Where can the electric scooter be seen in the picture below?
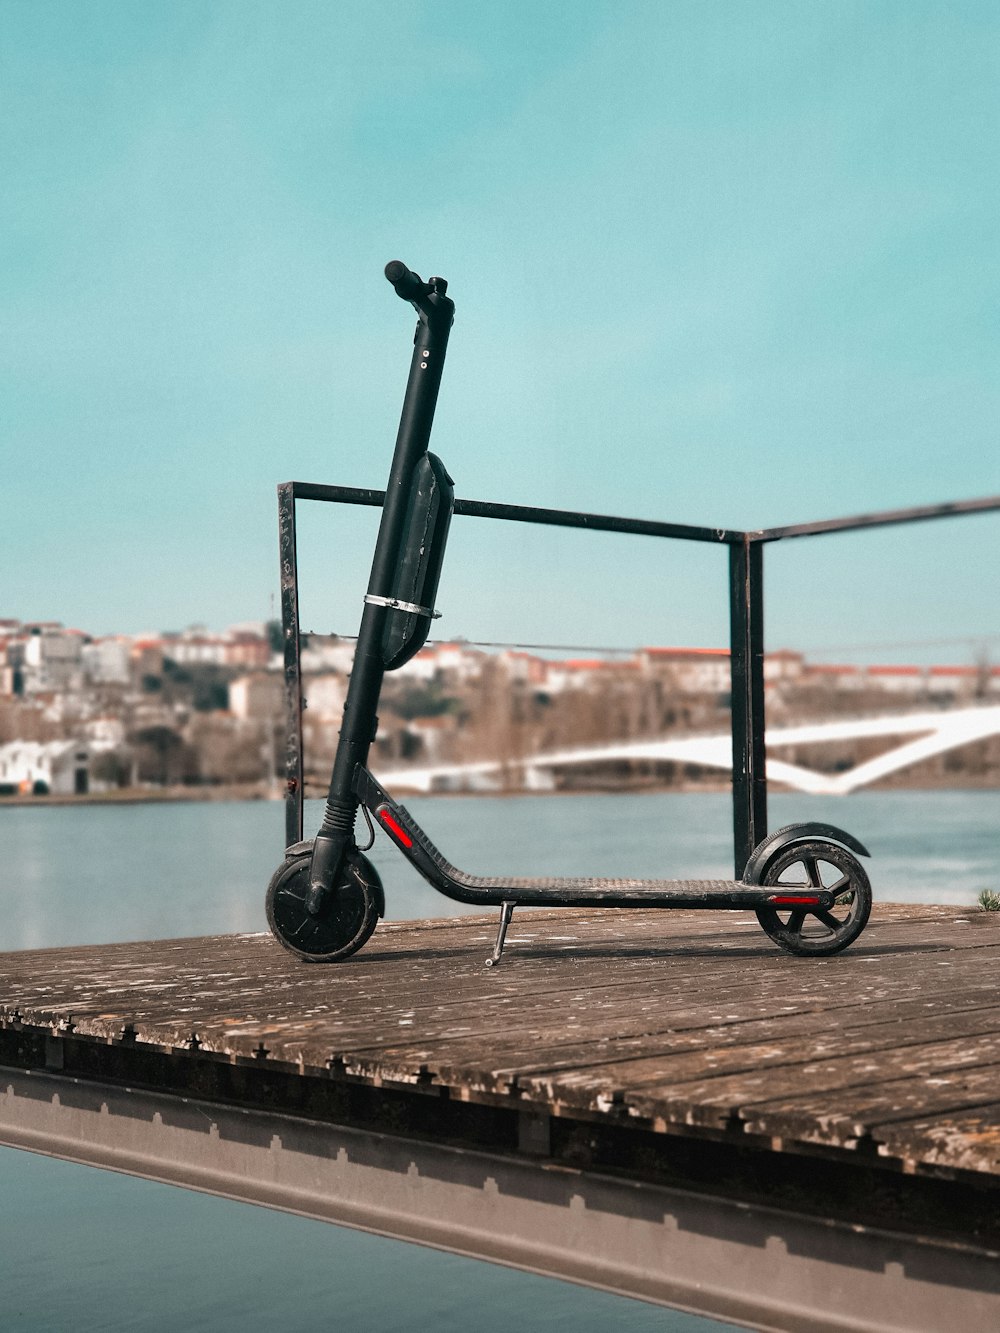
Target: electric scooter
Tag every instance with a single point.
(805, 882)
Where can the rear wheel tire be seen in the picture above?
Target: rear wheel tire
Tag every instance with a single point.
(347, 919)
(812, 932)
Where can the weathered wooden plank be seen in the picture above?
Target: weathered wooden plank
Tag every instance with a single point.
(344, 1030)
(579, 1016)
(679, 1018)
(634, 1027)
(282, 976)
(548, 928)
(835, 1116)
(966, 1140)
(589, 1013)
(856, 1079)
(679, 1060)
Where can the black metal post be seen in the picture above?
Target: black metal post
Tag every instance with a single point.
(746, 637)
(294, 774)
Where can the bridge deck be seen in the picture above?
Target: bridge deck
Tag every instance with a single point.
(675, 1049)
(932, 733)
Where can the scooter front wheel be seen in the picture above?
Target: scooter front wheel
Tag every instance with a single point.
(817, 864)
(346, 920)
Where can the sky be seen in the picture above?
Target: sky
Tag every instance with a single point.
(732, 264)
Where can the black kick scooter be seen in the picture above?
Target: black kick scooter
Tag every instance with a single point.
(805, 883)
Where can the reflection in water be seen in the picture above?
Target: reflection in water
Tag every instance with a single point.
(93, 1251)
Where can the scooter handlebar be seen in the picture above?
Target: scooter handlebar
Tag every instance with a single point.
(408, 285)
(428, 298)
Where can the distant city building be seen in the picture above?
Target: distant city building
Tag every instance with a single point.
(257, 696)
(107, 661)
(59, 767)
(523, 667)
(452, 702)
(782, 667)
(455, 663)
(104, 733)
(691, 670)
(573, 674)
(458, 662)
(51, 658)
(147, 655)
(897, 679)
(324, 696)
(430, 735)
(195, 649)
(247, 649)
(327, 655)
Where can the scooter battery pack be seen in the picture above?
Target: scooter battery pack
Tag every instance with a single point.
(418, 572)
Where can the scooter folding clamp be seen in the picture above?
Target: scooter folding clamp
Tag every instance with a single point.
(394, 604)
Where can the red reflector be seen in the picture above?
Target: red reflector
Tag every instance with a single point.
(787, 898)
(395, 829)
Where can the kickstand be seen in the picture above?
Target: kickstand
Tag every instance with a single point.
(506, 912)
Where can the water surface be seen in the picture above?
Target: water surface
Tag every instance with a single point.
(96, 874)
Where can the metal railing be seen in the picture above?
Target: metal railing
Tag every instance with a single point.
(746, 623)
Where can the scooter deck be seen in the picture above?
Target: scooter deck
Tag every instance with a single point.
(417, 847)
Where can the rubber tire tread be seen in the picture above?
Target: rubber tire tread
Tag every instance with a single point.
(363, 875)
(836, 855)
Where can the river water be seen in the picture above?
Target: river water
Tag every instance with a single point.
(90, 1249)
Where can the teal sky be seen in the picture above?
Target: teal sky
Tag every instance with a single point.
(724, 263)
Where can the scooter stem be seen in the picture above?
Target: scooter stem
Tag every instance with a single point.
(435, 312)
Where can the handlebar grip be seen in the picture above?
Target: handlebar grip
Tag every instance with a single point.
(408, 285)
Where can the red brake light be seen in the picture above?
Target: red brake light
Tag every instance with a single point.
(395, 829)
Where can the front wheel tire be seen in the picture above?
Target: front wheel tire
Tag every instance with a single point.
(347, 920)
(817, 864)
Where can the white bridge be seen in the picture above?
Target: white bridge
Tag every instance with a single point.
(932, 733)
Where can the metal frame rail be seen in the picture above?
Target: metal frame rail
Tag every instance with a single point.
(746, 623)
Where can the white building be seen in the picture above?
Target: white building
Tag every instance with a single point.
(328, 655)
(196, 649)
(691, 670)
(575, 674)
(60, 767)
(50, 659)
(910, 680)
(783, 666)
(106, 662)
(454, 662)
(457, 661)
(324, 696)
(105, 732)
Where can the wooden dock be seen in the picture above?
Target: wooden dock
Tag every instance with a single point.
(744, 1129)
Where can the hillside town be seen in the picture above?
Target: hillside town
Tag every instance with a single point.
(84, 714)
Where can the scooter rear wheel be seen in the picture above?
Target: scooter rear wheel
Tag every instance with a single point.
(820, 865)
(346, 921)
